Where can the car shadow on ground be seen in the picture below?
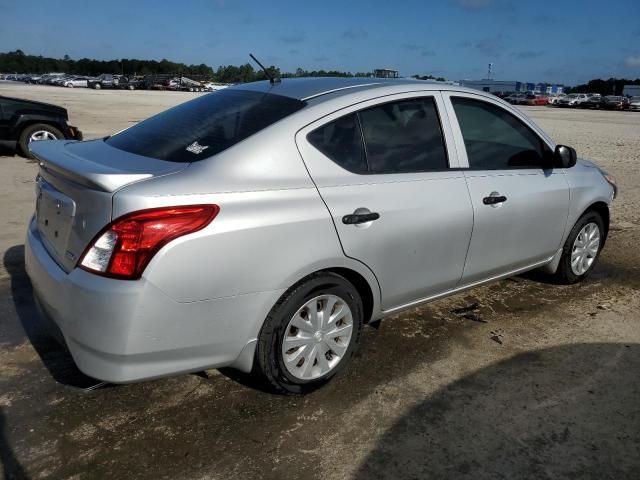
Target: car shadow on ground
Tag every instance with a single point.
(564, 412)
(55, 357)
(9, 464)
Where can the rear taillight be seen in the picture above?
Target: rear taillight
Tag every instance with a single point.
(124, 248)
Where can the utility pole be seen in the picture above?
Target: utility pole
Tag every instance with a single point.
(489, 71)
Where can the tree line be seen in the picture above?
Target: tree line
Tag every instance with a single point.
(612, 86)
(19, 62)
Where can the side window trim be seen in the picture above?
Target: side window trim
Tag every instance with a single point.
(364, 143)
(452, 151)
(457, 132)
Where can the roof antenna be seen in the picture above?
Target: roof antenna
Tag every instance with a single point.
(271, 78)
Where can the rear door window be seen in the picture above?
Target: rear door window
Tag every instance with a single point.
(205, 126)
(394, 137)
(404, 137)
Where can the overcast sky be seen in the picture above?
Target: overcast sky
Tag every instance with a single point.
(566, 41)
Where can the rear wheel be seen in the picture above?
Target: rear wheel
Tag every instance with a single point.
(581, 249)
(310, 334)
(36, 133)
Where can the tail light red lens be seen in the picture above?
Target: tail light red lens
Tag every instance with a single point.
(126, 246)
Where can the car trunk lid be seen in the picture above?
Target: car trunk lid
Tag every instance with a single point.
(75, 188)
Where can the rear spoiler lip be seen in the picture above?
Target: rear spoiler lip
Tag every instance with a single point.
(55, 158)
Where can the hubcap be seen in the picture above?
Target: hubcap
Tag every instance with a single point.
(41, 135)
(317, 337)
(585, 248)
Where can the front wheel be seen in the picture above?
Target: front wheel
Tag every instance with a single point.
(36, 133)
(310, 334)
(582, 248)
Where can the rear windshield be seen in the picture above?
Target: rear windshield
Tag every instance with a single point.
(205, 126)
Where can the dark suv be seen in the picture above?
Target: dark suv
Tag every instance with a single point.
(26, 121)
(106, 80)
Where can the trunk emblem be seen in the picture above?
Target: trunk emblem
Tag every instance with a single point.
(69, 255)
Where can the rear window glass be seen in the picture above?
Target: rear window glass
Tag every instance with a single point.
(205, 126)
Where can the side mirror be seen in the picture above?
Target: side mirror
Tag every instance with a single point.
(564, 157)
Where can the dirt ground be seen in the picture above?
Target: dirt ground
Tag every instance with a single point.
(519, 379)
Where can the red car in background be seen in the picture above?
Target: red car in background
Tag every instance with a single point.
(531, 99)
(537, 100)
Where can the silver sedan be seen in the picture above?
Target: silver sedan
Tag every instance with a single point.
(259, 227)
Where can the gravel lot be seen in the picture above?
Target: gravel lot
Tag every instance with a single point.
(542, 382)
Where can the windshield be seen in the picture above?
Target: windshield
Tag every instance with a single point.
(573, 95)
(635, 99)
(205, 126)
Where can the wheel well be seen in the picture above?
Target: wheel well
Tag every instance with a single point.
(27, 123)
(602, 209)
(362, 286)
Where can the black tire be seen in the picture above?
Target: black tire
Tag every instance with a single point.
(565, 273)
(23, 141)
(269, 364)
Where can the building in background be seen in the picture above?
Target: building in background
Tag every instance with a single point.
(385, 73)
(497, 86)
(631, 90)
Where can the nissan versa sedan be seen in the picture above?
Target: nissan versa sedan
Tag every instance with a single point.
(259, 227)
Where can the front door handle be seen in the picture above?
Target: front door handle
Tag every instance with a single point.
(356, 218)
(494, 199)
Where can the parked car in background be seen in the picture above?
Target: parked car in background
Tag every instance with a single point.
(553, 99)
(534, 100)
(26, 121)
(596, 102)
(106, 80)
(132, 83)
(76, 82)
(515, 98)
(49, 78)
(212, 87)
(524, 99)
(634, 103)
(572, 100)
(184, 246)
(616, 103)
(32, 79)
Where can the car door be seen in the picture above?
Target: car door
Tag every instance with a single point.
(387, 171)
(520, 206)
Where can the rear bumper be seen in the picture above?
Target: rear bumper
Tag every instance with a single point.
(123, 331)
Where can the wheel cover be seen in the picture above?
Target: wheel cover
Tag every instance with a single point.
(585, 248)
(317, 337)
(41, 135)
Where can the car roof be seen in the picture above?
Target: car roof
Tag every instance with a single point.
(312, 87)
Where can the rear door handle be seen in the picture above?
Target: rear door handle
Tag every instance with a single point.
(356, 218)
(492, 200)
